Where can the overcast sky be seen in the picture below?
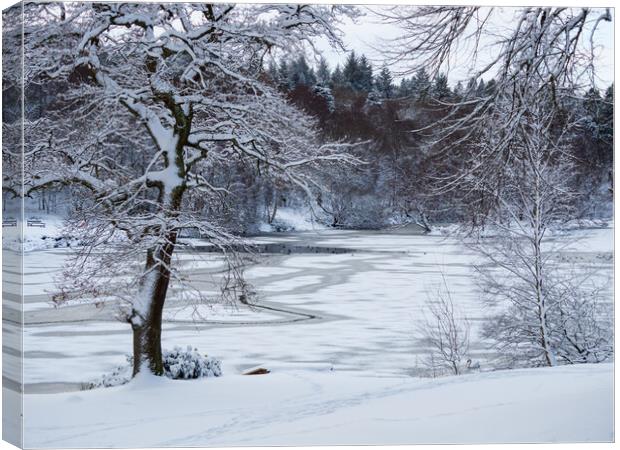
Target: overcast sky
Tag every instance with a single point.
(368, 32)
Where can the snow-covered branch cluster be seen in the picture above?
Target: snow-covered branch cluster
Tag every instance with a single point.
(540, 55)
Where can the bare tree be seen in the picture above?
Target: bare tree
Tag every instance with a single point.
(151, 96)
(540, 307)
(444, 333)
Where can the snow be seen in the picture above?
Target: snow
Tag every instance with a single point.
(291, 285)
(179, 364)
(564, 404)
(343, 376)
(216, 313)
(352, 331)
(592, 239)
(35, 237)
(292, 219)
(169, 176)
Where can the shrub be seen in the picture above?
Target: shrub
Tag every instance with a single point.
(179, 364)
(119, 376)
(189, 364)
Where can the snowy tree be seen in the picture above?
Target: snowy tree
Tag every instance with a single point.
(544, 309)
(364, 78)
(384, 83)
(154, 95)
(374, 98)
(323, 76)
(440, 89)
(301, 74)
(284, 75)
(326, 93)
(421, 83)
(516, 168)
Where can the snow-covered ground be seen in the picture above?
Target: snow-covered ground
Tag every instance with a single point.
(39, 231)
(566, 404)
(337, 332)
(292, 219)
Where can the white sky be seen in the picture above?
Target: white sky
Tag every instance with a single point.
(368, 32)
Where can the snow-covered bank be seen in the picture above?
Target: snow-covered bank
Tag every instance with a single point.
(311, 408)
(290, 219)
(40, 232)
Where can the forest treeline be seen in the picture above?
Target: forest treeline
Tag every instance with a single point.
(399, 120)
(396, 124)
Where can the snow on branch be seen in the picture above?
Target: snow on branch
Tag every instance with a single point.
(145, 100)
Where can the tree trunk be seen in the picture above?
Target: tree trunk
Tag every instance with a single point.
(538, 270)
(147, 353)
(272, 216)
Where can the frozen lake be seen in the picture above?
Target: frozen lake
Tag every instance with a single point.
(353, 310)
(335, 325)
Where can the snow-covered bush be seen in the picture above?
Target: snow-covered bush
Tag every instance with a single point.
(119, 376)
(189, 364)
(578, 320)
(179, 364)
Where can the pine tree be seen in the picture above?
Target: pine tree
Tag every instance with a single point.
(350, 71)
(598, 118)
(374, 98)
(406, 88)
(384, 83)
(284, 75)
(337, 78)
(323, 75)
(592, 102)
(459, 90)
(326, 93)
(421, 84)
(301, 74)
(490, 87)
(364, 78)
(441, 90)
(607, 116)
(481, 89)
(470, 90)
